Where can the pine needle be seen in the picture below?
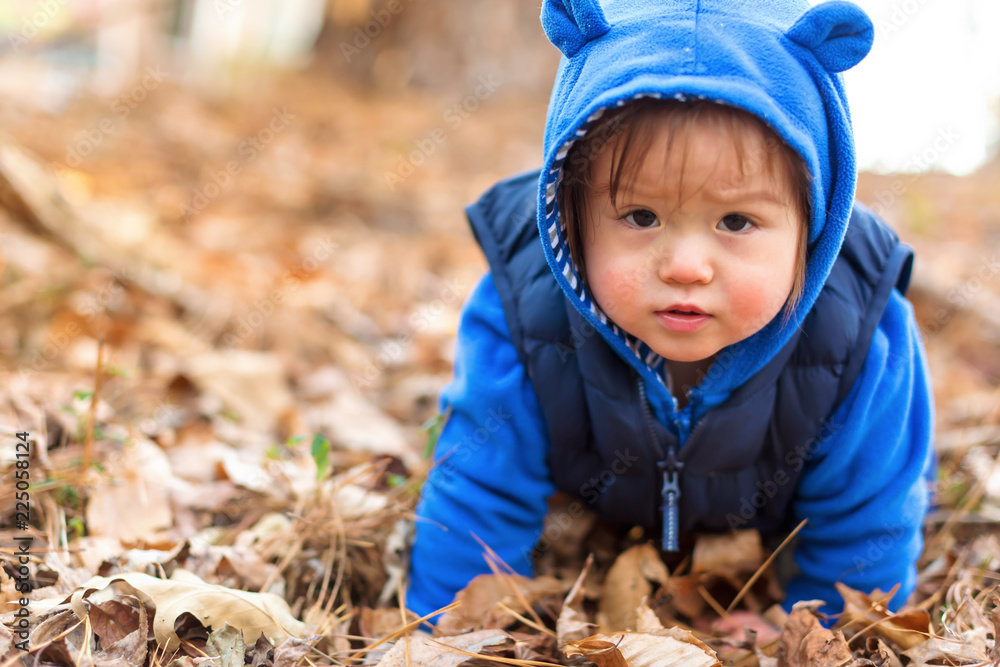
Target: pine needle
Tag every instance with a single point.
(764, 566)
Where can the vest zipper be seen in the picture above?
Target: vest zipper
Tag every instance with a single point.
(671, 490)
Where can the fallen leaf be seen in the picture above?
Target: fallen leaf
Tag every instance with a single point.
(53, 632)
(730, 553)
(881, 654)
(377, 623)
(129, 649)
(572, 623)
(482, 602)
(906, 629)
(291, 652)
(211, 605)
(250, 384)
(258, 655)
(970, 650)
(112, 621)
(6, 640)
(132, 501)
(538, 647)
(599, 651)
(681, 594)
(226, 647)
(354, 423)
(428, 652)
(627, 585)
(806, 643)
(640, 649)
(646, 620)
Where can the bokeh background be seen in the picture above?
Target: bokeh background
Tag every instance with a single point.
(258, 206)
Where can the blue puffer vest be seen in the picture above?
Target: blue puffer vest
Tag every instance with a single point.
(740, 465)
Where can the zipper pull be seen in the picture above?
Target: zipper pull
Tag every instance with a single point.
(671, 496)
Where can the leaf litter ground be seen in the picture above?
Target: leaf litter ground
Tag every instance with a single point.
(224, 389)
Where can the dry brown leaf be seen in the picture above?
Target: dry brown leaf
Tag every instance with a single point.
(647, 621)
(995, 651)
(129, 649)
(132, 501)
(881, 654)
(572, 623)
(428, 652)
(250, 384)
(90, 552)
(58, 634)
(354, 423)
(970, 650)
(376, 623)
(537, 647)
(8, 590)
(482, 602)
(6, 640)
(730, 553)
(258, 653)
(640, 649)
(291, 652)
(627, 584)
(211, 605)
(226, 647)
(806, 643)
(112, 621)
(681, 594)
(599, 651)
(906, 629)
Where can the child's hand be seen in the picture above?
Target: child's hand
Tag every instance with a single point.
(734, 626)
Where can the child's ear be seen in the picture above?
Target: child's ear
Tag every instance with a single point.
(838, 33)
(569, 24)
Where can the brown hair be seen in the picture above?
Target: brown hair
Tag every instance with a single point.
(630, 130)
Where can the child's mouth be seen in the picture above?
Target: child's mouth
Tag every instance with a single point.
(683, 318)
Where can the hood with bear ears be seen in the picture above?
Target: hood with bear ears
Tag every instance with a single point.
(777, 59)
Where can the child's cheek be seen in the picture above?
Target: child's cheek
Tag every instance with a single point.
(754, 302)
(616, 283)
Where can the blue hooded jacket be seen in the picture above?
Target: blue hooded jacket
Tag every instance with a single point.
(779, 61)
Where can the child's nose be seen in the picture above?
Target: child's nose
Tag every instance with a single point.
(685, 260)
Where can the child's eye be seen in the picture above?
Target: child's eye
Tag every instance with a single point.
(735, 223)
(642, 218)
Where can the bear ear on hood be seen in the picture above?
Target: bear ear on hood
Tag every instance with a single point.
(838, 33)
(569, 24)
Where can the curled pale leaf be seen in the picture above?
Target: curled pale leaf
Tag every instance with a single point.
(646, 620)
(212, 605)
(641, 649)
(971, 650)
(627, 584)
(572, 623)
(427, 652)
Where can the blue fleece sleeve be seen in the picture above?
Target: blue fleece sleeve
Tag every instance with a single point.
(863, 487)
(491, 475)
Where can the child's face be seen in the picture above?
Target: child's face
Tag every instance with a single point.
(692, 265)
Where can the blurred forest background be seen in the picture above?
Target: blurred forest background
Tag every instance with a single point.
(257, 207)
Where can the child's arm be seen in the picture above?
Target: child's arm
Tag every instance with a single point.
(491, 475)
(864, 491)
